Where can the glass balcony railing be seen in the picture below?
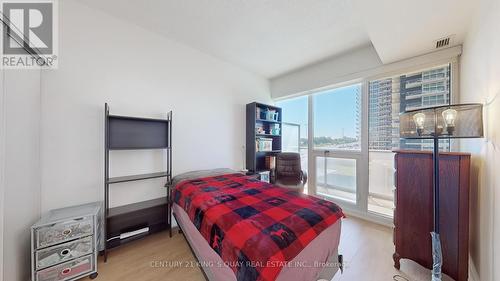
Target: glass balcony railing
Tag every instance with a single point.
(381, 181)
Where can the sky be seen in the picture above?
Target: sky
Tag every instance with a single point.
(334, 112)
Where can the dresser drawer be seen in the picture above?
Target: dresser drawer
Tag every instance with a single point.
(64, 252)
(67, 270)
(60, 232)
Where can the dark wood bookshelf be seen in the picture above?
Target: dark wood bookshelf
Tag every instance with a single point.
(136, 133)
(267, 106)
(263, 170)
(268, 135)
(266, 121)
(255, 160)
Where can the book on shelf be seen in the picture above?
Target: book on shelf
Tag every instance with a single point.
(270, 162)
(264, 144)
(266, 114)
(259, 129)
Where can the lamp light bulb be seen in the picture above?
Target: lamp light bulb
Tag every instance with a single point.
(419, 120)
(449, 116)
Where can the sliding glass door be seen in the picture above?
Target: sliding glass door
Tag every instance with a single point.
(295, 128)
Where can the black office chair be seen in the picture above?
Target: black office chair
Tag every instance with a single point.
(288, 172)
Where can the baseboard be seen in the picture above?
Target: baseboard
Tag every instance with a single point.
(473, 275)
(389, 222)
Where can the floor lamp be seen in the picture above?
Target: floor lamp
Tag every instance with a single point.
(443, 122)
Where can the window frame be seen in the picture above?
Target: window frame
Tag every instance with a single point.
(344, 85)
(361, 208)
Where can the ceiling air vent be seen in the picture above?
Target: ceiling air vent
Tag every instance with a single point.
(443, 42)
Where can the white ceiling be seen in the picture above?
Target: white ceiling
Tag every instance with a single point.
(272, 37)
(400, 29)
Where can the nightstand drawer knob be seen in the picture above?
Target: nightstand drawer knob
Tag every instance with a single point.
(65, 252)
(67, 232)
(66, 271)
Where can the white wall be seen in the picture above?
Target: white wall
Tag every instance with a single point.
(21, 202)
(104, 59)
(480, 82)
(2, 167)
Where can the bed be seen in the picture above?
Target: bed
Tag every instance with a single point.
(243, 229)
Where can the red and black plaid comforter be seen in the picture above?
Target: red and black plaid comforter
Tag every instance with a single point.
(255, 227)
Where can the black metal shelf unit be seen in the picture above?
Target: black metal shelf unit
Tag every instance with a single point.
(134, 133)
(255, 159)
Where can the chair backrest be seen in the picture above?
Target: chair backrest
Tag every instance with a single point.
(288, 167)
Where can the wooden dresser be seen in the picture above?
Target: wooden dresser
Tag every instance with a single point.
(413, 216)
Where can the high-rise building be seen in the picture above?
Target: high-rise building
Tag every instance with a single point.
(391, 96)
(425, 89)
(380, 114)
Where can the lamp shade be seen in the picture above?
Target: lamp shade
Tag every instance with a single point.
(450, 121)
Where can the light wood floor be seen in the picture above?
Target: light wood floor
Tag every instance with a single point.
(367, 250)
